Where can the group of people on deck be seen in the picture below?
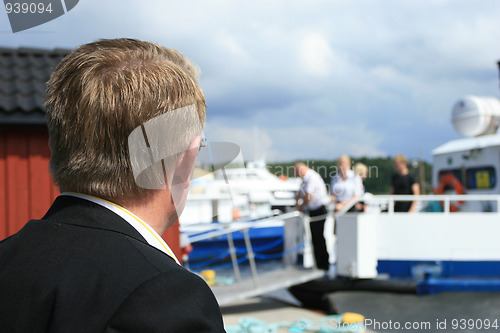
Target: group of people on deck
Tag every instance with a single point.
(346, 190)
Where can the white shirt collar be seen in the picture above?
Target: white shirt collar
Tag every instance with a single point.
(142, 227)
(308, 174)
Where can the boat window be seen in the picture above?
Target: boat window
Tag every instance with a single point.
(481, 178)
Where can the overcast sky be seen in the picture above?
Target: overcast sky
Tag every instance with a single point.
(307, 79)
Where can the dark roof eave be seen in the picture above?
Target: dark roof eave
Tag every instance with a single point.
(22, 118)
(23, 74)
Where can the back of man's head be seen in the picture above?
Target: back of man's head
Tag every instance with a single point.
(300, 169)
(98, 95)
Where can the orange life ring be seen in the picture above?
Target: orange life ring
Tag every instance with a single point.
(449, 180)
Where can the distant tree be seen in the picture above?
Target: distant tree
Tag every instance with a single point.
(380, 171)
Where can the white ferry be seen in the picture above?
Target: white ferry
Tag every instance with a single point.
(452, 243)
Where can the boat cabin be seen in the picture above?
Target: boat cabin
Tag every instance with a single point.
(471, 165)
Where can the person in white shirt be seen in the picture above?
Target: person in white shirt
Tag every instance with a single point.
(346, 186)
(312, 198)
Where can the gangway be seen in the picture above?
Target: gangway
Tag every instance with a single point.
(296, 230)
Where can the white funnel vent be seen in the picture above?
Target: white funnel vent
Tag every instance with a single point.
(474, 116)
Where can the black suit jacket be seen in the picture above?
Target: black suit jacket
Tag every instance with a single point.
(82, 268)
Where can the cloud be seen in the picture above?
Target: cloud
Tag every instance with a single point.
(274, 140)
(254, 143)
(316, 55)
(366, 77)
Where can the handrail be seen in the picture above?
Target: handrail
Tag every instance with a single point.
(447, 199)
(234, 226)
(244, 226)
(434, 197)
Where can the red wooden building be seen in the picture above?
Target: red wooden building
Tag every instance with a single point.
(26, 188)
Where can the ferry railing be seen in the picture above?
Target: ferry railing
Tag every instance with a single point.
(446, 200)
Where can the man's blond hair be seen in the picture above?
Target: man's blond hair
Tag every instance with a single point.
(344, 158)
(97, 96)
(399, 158)
(360, 169)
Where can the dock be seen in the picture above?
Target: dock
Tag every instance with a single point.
(267, 310)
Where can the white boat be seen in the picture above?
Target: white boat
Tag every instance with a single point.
(236, 196)
(238, 193)
(452, 243)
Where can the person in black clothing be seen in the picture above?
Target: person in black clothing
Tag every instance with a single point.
(404, 183)
(125, 119)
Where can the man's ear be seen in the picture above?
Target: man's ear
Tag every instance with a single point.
(185, 162)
